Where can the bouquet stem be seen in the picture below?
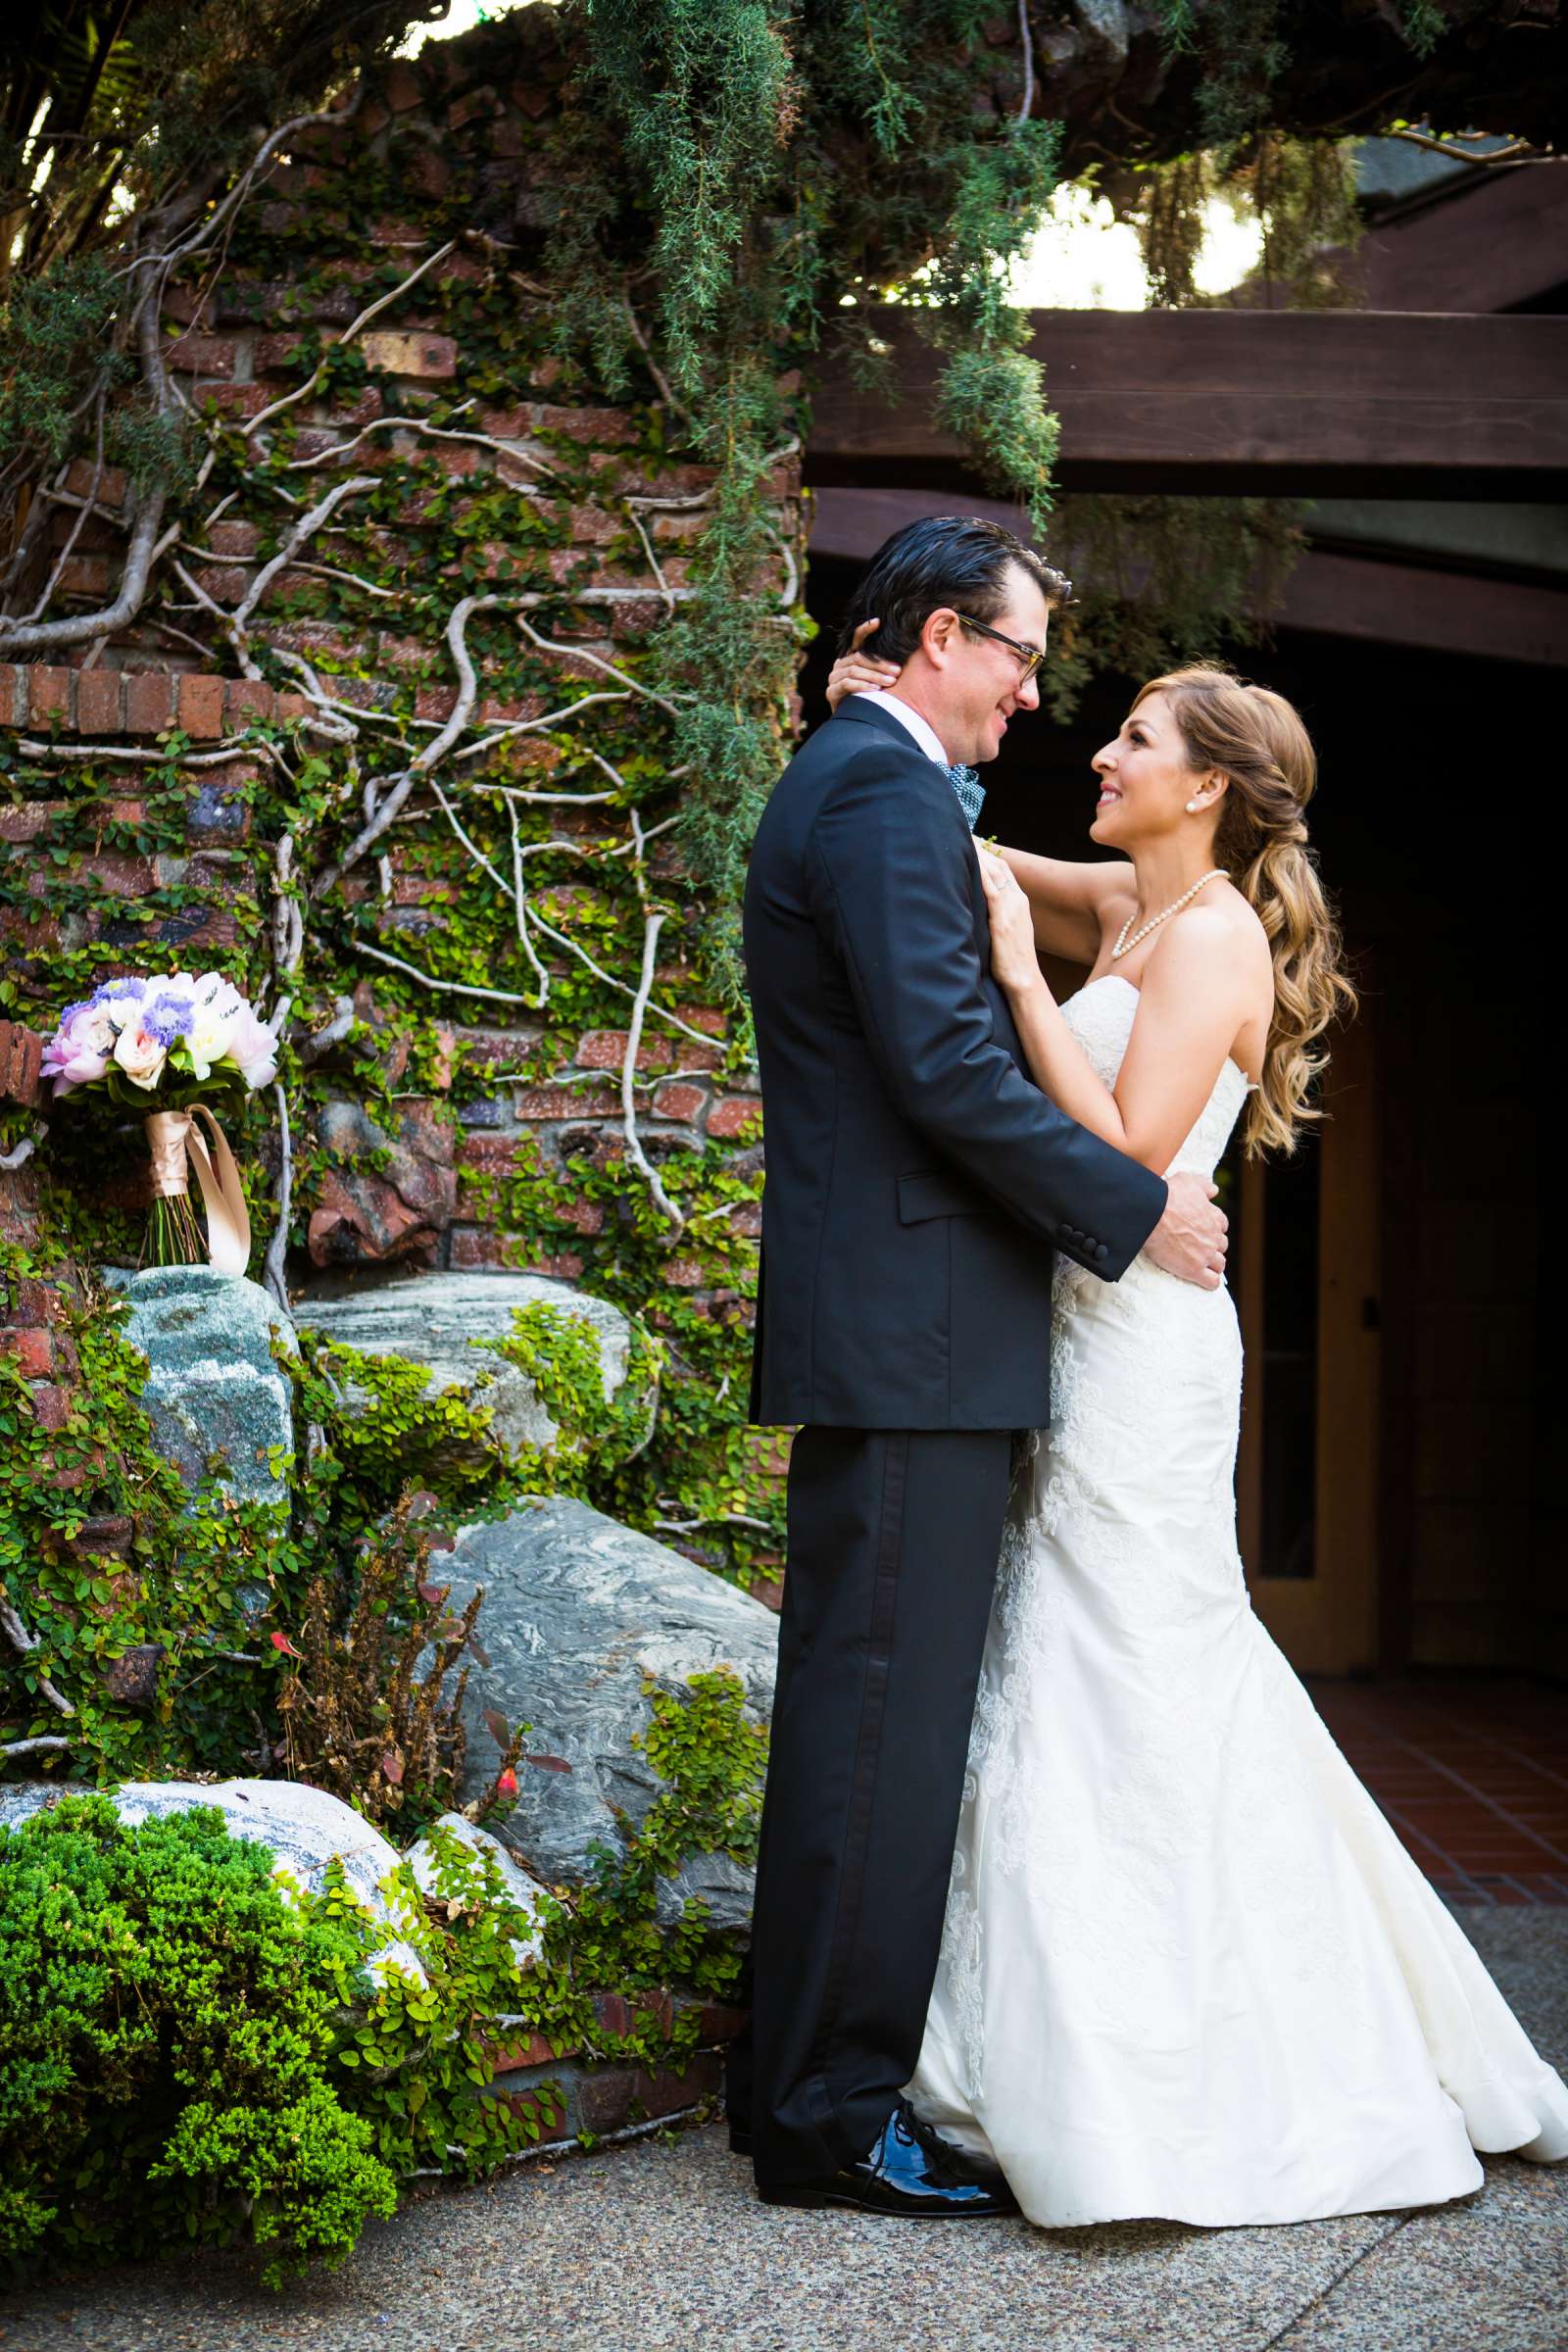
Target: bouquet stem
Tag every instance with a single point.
(172, 1238)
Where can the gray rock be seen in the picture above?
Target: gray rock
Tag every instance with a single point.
(431, 1319)
(1105, 32)
(303, 1828)
(526, 1892)
(724, 1884)
(578, 1611)
(212, 1386)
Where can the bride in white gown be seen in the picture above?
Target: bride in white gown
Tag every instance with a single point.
(1187, 1969)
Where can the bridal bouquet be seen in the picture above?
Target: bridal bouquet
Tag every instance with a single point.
(167, 1045)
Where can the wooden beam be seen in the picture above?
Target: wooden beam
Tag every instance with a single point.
(1366, 597)
(1442, 611)
(1353, 403)
(1502, 239)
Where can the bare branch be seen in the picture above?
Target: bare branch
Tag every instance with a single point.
(25, 1644)
(520, 900)
(578, 653)
(318, 1045)
(145, 548)
(1518, 150)
(456, 988)
(533, 598)
(20, 1154)
(22, 553)
(120, 753)
(374, 311)
(354, 579)
(461, 711)
(276, 1248)
(689, 1526)
(654, 565)
(304, 529)
(653, 925)
(667, 391)
(288, 921)
(32, 1747)
(536, 726)
(659, 1012)
(429, 432)
(87, 505)
(201, 239)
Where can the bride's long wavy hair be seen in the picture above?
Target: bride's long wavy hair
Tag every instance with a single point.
(1255, 739)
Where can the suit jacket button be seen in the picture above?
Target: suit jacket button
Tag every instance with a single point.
(1102, 1250)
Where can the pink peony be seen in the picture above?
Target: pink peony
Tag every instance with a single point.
(79, 1049)
(252, 1046)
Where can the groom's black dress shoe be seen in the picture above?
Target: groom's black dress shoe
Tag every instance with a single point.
(910, 2170)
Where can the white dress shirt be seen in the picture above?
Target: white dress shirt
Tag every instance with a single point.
(926, 735)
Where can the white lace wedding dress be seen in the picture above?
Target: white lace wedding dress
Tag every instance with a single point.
(1187, 1969)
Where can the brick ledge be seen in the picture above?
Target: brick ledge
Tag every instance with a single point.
(52, 700)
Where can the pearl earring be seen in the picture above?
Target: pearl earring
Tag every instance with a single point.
(1192, 807)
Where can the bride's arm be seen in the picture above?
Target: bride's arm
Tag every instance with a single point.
(1069, 902)
(1197, 992)
(1067, 898)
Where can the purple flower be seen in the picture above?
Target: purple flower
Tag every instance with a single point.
(168, 1016)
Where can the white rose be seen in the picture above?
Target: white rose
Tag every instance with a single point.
(141, 1055)
(211, 1032)
(93, 1029)
(118, 1011)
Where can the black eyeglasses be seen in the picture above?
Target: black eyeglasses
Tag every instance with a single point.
(1031, 656)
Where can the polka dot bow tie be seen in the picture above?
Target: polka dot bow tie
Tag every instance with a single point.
(966, 782)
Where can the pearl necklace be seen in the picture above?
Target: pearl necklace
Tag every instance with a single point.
(1125, 946)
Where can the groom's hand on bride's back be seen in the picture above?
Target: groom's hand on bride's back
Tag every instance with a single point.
(1191, 1237)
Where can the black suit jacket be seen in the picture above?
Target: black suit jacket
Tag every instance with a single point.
(918, 1180)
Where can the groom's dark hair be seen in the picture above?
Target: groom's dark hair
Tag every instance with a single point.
(954, 559)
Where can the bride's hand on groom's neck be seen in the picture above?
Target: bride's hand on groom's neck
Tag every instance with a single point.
(857, 672)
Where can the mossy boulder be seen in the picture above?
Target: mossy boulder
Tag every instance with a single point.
(583, 1620)
(452, 1324)
(213, 1386)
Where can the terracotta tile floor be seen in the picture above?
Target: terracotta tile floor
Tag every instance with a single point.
(1472, 1773)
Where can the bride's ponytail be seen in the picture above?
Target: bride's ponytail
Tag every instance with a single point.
(1256, 741)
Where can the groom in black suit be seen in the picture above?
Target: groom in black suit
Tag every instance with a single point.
(918, 1183)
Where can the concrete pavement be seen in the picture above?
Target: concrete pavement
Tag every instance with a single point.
(656, 2247)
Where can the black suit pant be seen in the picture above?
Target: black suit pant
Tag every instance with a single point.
(893, 1543)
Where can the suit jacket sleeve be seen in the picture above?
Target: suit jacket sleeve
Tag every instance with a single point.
(889, 876)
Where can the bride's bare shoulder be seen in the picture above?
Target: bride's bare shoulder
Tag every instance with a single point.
(1219, 940)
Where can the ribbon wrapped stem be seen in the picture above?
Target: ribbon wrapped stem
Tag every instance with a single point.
(173, 1237)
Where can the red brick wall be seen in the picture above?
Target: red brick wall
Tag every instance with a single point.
(234, 343)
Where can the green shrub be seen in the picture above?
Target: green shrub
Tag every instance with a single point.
(191, 2052)
(166, 2024)
(418, 2056)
